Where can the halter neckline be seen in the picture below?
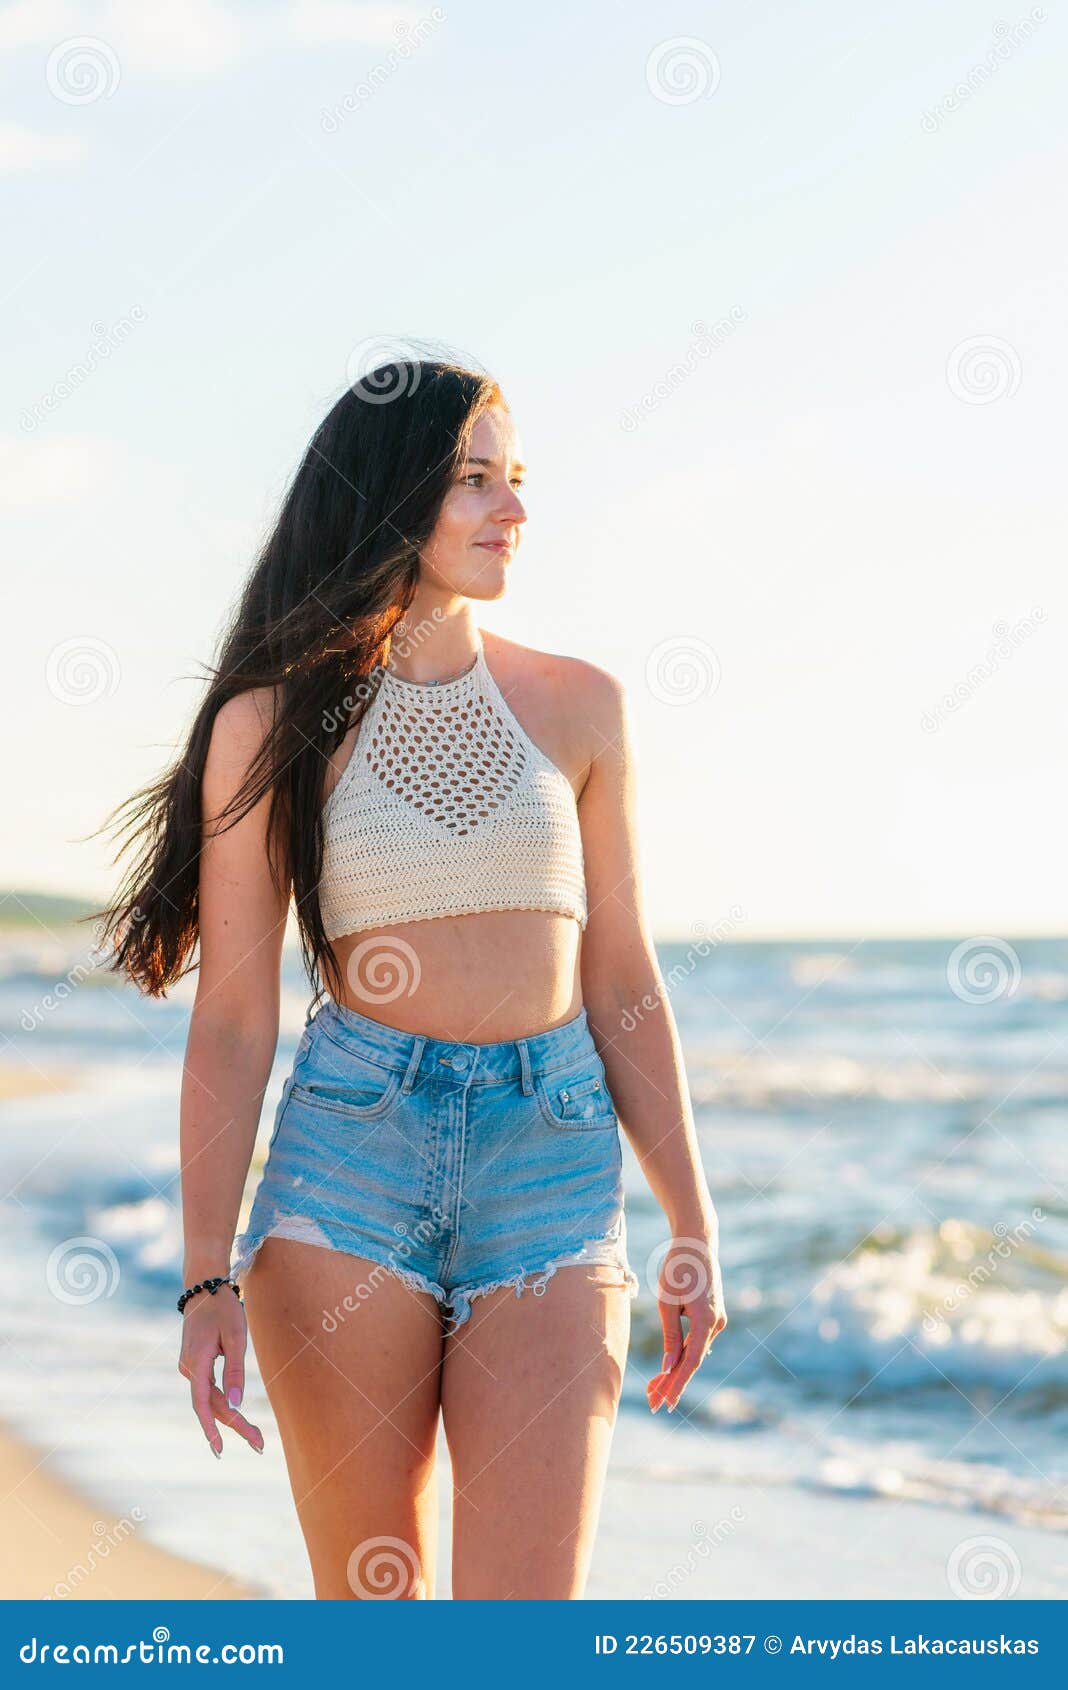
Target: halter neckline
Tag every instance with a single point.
(439, 687)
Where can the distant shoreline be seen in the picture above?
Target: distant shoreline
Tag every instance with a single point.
(17, 1081)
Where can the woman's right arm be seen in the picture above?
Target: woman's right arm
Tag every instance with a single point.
(233, 1034)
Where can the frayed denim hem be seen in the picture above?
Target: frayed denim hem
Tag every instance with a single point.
(609, 1251)
(597, 1252)
(307, 1231)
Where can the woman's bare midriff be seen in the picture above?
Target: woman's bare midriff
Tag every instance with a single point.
(476, 979)
(497, 974)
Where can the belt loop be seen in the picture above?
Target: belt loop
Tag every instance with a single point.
(413, 1064)
(525, 1067)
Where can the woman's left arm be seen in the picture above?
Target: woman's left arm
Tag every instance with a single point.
(634, 1028)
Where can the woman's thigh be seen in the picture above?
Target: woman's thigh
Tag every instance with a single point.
(530, 1390)
(351, 1362)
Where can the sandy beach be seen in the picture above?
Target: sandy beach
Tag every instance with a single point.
(56, 1543)
(659, 1540)
(18, 1082)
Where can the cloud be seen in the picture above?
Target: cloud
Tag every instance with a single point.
(338, 20)
(193, 36)
(66, 468)
(22, 149)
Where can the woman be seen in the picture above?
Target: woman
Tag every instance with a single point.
(453, 817)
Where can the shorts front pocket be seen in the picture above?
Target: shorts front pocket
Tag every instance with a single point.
(579, 1101)
(351, 1085)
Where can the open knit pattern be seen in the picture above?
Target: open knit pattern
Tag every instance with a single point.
(447, 807)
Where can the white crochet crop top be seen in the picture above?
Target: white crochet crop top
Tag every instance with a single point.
(447, 807)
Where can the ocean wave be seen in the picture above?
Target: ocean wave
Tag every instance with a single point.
(959, 1307)
(789, 1082)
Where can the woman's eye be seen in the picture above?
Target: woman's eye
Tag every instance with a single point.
(476, 475)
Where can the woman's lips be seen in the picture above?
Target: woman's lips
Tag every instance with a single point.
(494, 545)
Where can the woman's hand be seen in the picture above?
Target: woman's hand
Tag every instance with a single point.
(213, 1326)
(691, 1285)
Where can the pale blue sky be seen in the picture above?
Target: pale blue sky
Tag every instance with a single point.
(832, 502)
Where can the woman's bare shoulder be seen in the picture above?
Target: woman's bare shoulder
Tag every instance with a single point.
(559, 669)
(237, 734)
(573, 708)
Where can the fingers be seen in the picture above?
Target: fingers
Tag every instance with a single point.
(211, 1407)
(201, 1387)
(671, 1323)
(230, 1417)
(233, 1380)
(668, 1385)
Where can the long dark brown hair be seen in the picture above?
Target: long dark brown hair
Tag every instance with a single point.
(314, 618)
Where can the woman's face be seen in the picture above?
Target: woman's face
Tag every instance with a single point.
(478, 526)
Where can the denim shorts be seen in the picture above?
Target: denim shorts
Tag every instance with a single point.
(460, 1168)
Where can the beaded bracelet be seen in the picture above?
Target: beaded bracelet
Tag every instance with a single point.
(211, 1285)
